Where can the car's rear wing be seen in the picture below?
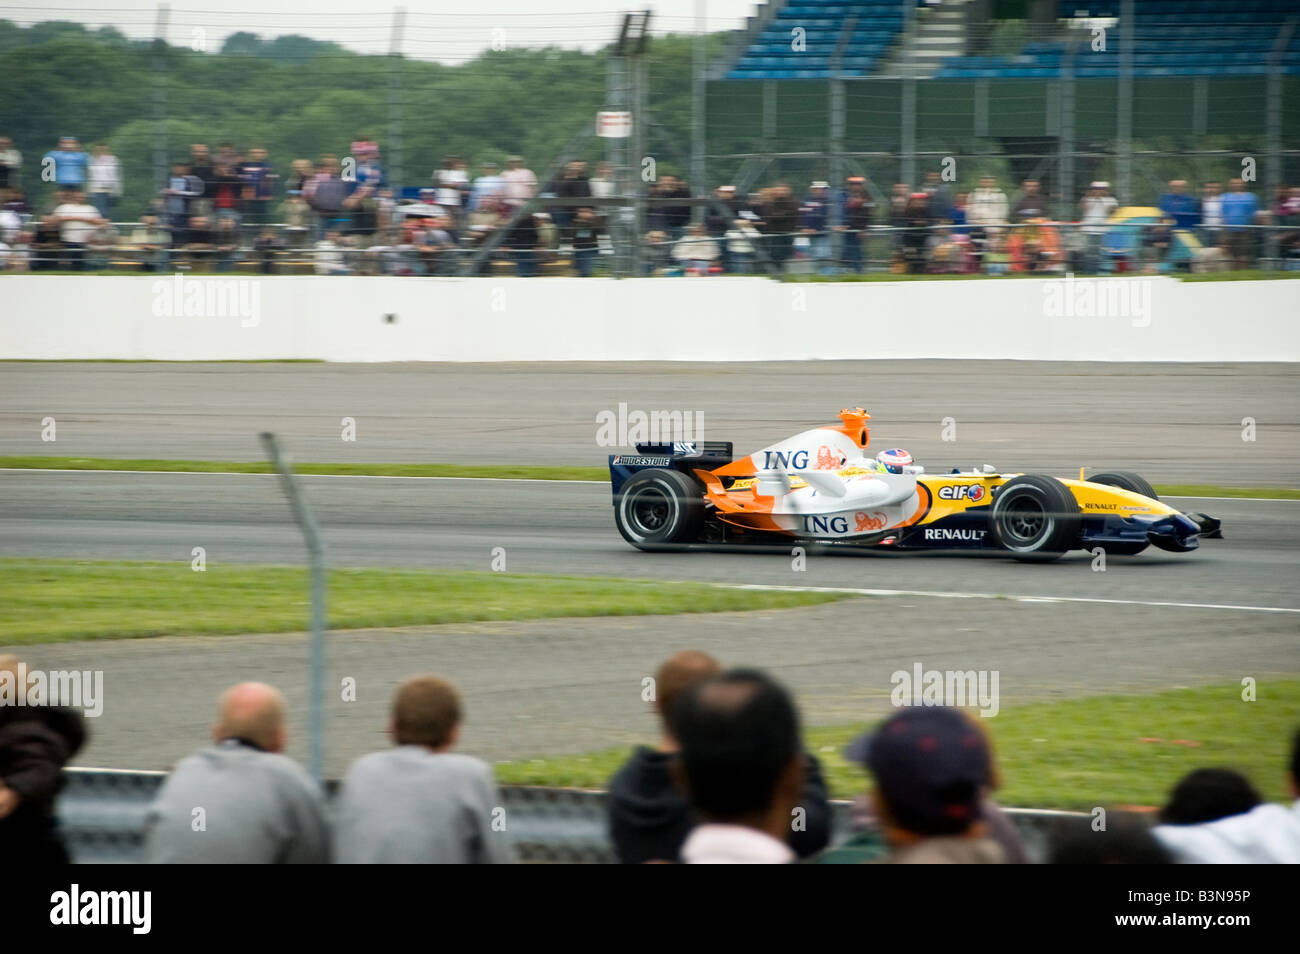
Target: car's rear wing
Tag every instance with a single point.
(687, 448)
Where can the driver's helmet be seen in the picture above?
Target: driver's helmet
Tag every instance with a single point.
(894, 459)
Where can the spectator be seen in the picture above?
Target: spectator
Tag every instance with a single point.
(330, 259)
(1182, 208)
(296, 215)
(200, 243)
(1211, 215)
(257, 186)
(519, 183)
(105, 181)
(36, 742)
(325, 192)
(573, 184)
(202, 169)
(1239, 208)
(695, 250)
(658, 253)
(486, 218)
(602, 183)
(1124, 841)
(268, 246)
(70, 165)
(677, 217)
(781, 215)
(1206, 795)
(1095, 209)
(986, 207)
(240, 800)
(916, 233)
(741, 767)
(224, 191)
(77, 222)
(939, 205)
(436, 247)
(814, 222)
(11, 164)
(420, 802)
(487, 185)
(741, 242)
(586, 241)
(452, 184)
(370, 169)
(301, 171)
(932, 769)
(11, 222)
(856, 218)
(1262, 834)
(522, 243)
(1030, 205)
(182, 189)
(226, 242)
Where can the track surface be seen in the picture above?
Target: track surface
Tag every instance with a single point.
(1173, 422)
(566, 686)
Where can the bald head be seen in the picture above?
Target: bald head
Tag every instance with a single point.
(677, 674)
(252, 711)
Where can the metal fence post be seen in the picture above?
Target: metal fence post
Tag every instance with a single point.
(316, 549)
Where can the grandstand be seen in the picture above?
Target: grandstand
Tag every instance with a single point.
(1063, 90)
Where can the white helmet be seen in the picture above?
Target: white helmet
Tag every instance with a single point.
(894, 459)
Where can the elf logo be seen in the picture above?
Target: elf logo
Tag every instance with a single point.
(972, 492)
(954, 536)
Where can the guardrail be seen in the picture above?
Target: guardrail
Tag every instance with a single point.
(102, 814)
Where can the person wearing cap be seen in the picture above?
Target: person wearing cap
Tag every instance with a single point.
(1095, 210)
(931, 767)
(70, 164)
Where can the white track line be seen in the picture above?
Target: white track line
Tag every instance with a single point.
(953, 595)
(522, 480)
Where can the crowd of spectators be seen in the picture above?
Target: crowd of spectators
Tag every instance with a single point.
(230, 209)
(729, 780)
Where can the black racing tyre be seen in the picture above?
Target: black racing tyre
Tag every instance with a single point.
(1125, 480)
(1035, 518)
(659, 509)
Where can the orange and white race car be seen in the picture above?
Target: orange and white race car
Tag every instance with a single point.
(821, 487)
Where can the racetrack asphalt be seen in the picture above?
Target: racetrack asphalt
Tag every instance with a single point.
(557, 686)
(573, 685)
(1176, 423)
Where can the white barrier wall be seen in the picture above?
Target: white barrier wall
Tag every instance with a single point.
(682, 319)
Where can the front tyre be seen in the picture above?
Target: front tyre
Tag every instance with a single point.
(1136, 483)
(659, 509)
(1035, 518)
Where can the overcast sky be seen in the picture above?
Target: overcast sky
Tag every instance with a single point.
(446, 30)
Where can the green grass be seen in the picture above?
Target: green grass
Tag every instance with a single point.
(1069, 754)
(55, 600)
(1214, 490)
(513, 471)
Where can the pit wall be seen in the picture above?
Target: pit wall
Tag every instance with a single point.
(344, 318)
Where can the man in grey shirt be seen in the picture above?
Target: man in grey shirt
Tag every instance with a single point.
(421, 803)
(240, 801)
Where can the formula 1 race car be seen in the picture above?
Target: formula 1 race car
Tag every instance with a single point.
(819, 487)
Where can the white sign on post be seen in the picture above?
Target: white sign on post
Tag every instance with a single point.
(613, 124)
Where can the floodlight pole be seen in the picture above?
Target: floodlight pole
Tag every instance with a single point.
(316, 548)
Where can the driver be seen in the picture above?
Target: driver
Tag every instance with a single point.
(894, 459)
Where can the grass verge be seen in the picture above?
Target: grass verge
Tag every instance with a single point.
(1067, 754)
(500, 471)
(56, 600)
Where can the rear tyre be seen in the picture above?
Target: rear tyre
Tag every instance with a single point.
(659, 509)
(1035, 518)
(1125, 480)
